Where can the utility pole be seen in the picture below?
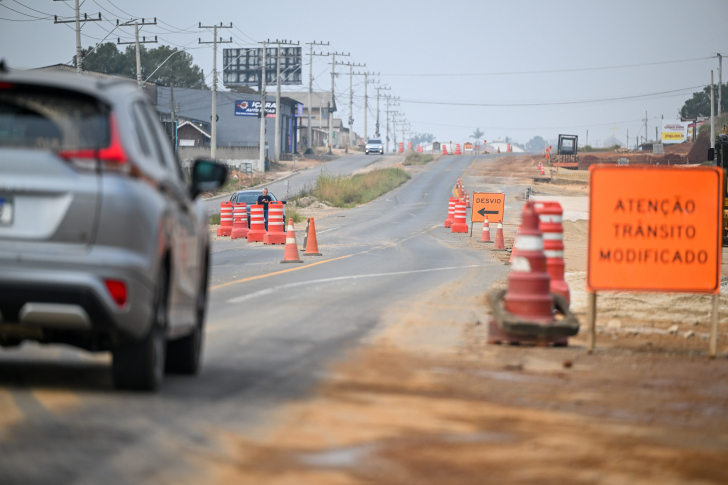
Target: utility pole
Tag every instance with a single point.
(136, 43)
(278, 97)
(310, 90)
(387, 120)
(720, 84)
(646, 134)
(261, 113)
(381, 88)
(213, 118)
(333, 101)
(77, 21)
(351, 95)
(366, 98)
(627, 138)
(712, 114)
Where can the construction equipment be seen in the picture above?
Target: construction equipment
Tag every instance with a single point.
(719, 154)
(566, 152)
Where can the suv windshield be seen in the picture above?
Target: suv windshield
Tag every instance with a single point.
(375, 142)
(31, 117)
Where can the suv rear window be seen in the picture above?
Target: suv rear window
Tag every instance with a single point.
(46, 118)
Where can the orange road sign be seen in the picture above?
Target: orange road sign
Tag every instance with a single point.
(654, 229)
(487, 203)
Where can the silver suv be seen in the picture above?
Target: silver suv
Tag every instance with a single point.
(374, 146)
(102, 243)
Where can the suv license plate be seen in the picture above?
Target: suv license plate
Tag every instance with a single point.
(6, 211)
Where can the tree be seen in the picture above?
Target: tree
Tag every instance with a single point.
(699, 104)
(420, 138)
(109, 60)
(536, 144)
(477, 134)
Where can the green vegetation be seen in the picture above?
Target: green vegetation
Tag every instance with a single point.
(215, 219)
(699, 104)
(107, 58)
(719, 122)
(347, 192)
(293, 215)
(415, 158)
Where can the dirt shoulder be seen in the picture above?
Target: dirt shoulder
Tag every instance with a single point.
(426, 400)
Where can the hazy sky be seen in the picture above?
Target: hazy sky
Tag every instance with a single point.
(479, 54)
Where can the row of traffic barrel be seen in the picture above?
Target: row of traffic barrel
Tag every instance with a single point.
(457, 149)
(234, 223)
(535, 307)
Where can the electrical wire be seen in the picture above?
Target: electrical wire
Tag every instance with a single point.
(549, 71)
(554, 103)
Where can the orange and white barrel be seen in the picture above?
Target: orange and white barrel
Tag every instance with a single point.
(461, 220)
(257, 223)
(450, 212)
(240, 221)
(226, 219)
(550, 215)
(276, 233)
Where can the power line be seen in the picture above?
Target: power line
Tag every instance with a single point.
(550, 71)
(555, 103)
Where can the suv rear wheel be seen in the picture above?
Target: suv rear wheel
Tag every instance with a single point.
(140, 365)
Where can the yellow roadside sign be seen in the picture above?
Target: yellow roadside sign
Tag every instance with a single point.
(489, 204)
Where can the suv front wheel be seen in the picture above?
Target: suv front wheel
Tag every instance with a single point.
(184, 354)
(140, 365)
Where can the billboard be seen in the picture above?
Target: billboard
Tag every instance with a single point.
(241, 67)
(248, 107)
(674, 131)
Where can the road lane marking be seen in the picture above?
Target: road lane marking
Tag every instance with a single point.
(229, 283)
(382, 246)
(268, 291)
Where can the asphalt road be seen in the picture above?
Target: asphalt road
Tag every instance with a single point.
(271, 330)
(341, 166)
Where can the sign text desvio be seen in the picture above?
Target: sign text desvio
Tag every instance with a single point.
(488, 204)
(654, 229)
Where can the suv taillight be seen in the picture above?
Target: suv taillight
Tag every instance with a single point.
(112, 157)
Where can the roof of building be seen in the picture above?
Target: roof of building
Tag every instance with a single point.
(193, 125)
(318, 99)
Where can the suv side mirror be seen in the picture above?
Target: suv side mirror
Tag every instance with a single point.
(207, 175)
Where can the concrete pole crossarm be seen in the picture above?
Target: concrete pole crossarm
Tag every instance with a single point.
(137, 47)
(77, 21)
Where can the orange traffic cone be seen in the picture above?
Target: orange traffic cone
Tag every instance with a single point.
(311, 242)
(486, 231)
(515, 240)
(291, 252)
(500, 243)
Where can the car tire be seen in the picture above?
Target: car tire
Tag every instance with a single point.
(184, 354)
(140, 365)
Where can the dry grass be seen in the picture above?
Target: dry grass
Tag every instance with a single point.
(348, 192)
(416, 158)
